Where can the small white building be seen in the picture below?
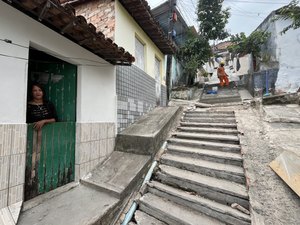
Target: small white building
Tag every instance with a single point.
(282, 51)
(45, 42)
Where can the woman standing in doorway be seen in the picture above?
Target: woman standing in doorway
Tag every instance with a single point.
(39, 110)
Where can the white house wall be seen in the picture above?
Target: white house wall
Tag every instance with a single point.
(288, 54)
(96, 99)
(24, 31)
(126, 30)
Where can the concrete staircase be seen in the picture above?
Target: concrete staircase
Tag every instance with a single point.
(200, 178)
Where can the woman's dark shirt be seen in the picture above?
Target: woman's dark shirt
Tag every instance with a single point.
(36, 113)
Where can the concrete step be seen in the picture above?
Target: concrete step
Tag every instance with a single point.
(119, 174)
(215, 99)
(213, 209)
(227, 138)
(208, 130)
(219, 190)
(172, 213)
(142, 218)
(205, 145)
(209, 115)
(198, 111)
(209, 120)
(209, 155)
(213, 124)
(213, 169)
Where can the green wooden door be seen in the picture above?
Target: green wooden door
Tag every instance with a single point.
(50, 156)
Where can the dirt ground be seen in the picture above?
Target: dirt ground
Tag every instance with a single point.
(273, 202)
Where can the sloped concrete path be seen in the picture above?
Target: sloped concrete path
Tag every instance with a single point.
(200, 179)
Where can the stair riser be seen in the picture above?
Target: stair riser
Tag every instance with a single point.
(206, 192)
(219, 140)
(238, 178)
(206, 157)
(205, 146)
(220, 100)
(158, 215)
(228, 219)
(212, 112)
(207, 131)
(194, 115)
(224, 126)
(209, 120)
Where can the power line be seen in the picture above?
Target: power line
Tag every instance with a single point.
(186, 14)
(58, 56)
(15, 57)
(258, 2)
(239, 9)
(245, 15)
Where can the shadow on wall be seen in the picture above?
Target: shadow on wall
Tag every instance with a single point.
(260, 83)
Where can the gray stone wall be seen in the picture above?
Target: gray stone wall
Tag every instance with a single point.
(135, 94)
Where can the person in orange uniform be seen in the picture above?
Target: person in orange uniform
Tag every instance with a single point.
(222, 75)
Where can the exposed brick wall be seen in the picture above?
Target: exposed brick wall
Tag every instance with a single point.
(101, 13)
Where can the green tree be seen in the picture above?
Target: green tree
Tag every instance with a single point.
(251, 44)
(290, 11)
(193, 54)
(213, 19)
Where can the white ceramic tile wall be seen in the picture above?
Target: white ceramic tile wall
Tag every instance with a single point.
(3, 198)
(12, 163)
(15, 194)
(4, 172)
(17, 170)
(94, 143)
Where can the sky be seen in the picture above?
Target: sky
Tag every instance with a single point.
(246, 15)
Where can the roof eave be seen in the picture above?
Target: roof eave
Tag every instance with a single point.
(62, 20)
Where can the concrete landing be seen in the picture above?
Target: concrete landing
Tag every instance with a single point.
(148, 134)
(79, 206)
(119, 174)
(224, 95)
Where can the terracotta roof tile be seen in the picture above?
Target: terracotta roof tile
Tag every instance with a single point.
(62, 19)
(141, 12)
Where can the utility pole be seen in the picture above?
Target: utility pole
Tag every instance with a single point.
(172, 5)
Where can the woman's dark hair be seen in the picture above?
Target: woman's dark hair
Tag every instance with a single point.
(41, 87)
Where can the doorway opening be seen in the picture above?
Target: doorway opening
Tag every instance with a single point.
(50, 152)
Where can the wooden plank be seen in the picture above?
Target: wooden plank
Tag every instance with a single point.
(41, 169)
(287, 166)
(56, 150)
(48, 143)
(72, 151)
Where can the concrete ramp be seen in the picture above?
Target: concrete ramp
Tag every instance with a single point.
(120, 174)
